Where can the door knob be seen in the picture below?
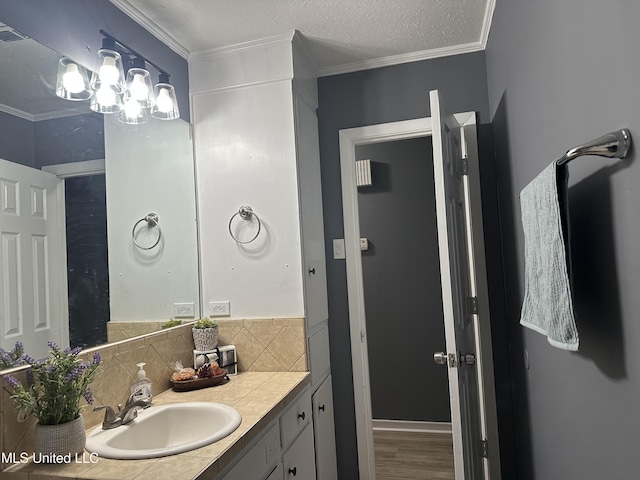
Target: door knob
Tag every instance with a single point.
(440, 358)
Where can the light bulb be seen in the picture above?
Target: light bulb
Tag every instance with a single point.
(108, 71)
(72, 79)
(138, 88)
(164, 102)
(106, 96)
(132, 109)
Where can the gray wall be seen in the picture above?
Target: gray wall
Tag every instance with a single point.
(69, 139)
(72, 27)
(16, 140)
(401, 274)
(559, 74)
(386, 95)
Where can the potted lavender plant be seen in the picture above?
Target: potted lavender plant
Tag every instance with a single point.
(54, 388)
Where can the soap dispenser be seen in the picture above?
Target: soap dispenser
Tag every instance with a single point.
(141, 388)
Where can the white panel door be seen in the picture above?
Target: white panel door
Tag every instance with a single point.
(33, 280)
(456, 291)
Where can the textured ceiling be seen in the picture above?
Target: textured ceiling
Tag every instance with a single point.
(342, 35)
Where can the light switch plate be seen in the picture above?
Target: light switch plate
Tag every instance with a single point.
(338, 249)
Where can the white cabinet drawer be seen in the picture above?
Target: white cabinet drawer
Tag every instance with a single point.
(299, 461)
(295, 418)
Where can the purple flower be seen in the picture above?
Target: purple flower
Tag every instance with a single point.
(75, 351)
(12, 381)
(30, 379)
(88, 396)
(29, 359)
(96, 358)
(73, 374)
(52, 345)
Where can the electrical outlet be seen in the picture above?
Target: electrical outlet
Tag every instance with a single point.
(219, 309)
(183, 310)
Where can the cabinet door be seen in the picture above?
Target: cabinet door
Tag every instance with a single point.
(299, 461)
(310, 198)
(324, 432)
(276, 474)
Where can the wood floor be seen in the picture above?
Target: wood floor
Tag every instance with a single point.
(413, 456)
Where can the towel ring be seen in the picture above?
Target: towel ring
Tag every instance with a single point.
(246, 213)
(152, 221)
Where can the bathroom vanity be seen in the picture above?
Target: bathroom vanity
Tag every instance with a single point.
(276, 436)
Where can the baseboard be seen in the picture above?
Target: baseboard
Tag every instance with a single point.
(411, 426)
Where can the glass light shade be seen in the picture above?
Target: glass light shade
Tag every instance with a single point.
(133, 113)
(73, 81)
(108, 71)
(106, 100)
(166, 106)
(139, 87)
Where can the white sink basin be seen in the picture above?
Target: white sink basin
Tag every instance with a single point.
(165, 430)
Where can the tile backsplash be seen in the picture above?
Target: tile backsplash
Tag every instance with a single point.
(265, 345)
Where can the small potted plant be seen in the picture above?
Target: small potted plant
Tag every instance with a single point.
(54, 387)
(205, 334)
(171, 323)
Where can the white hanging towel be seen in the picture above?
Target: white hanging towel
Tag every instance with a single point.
(547, 307)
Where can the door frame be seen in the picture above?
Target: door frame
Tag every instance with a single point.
(349, 139)
(63, 171)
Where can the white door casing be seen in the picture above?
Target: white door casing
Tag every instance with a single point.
(33, 279)
(349, 139)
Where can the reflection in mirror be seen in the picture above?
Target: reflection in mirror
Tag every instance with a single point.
(107, 175)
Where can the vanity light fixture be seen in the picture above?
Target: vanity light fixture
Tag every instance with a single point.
(133, 98)
(166, 106)
(73, 81)
(107, 81)
(138, 97)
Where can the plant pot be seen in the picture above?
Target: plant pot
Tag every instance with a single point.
(205, 338)
(66, 438)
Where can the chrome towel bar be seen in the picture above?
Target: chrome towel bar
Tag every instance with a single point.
(613, 145)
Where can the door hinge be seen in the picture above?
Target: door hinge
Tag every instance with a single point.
(485, 448)
(473, 305)
(465, 165)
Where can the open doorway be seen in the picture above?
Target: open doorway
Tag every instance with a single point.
(470, 375)
(411, 416)
(85, 211)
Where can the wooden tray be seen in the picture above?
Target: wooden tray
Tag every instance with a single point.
(196, 383)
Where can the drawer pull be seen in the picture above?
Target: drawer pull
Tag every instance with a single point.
(302, 416)
(293, 471)
(312, 271)
(321, 407)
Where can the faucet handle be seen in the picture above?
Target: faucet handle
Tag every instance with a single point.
(110, 418)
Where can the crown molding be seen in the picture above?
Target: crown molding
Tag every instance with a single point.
(486, 23)
(262, 42)
(399, 59)
(156, 30)
(67, 112)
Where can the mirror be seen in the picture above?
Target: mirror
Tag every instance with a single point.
(114, 175)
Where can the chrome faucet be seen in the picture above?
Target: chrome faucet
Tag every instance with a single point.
(125, 415)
